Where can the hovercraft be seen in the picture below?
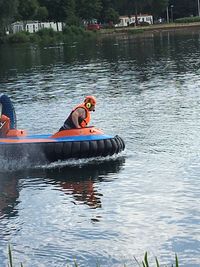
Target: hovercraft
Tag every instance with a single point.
(67, 144)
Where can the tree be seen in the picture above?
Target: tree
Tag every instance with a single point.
(157, 7)
(111, 16)
(27, 9)
(184, 8)
(42, 13)
(71, 17)
(52, 7)
(89, 9)
(8, 10)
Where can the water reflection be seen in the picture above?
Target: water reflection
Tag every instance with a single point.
(74, 180)
(80, 181)
(9, 193)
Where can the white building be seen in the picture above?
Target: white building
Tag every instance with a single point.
(34, 26)
(130, 20)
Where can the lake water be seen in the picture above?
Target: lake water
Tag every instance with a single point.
(107, 211)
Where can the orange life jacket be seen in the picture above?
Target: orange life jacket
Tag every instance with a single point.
(4, 125)
(68, 124)
(84, 122)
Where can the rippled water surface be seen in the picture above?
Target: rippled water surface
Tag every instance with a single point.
(107, 211)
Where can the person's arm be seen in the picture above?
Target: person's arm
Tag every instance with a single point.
(78, 113)
(4, 125)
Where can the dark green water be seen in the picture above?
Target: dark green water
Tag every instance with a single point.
(110, 210)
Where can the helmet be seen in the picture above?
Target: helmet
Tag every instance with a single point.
(90, 99)
(90, 102)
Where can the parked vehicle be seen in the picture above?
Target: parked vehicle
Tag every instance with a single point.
(93, 27)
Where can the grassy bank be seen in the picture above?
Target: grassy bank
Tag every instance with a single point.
(73, 33)
(69, 34)
(151, 28)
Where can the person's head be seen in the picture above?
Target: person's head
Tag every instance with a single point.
(90, 103)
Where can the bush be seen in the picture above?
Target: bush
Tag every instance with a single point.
(69, 34)
(46, 32)
(19, 37)
(73, 30)
(135, 31)
(34, 38)
(187, 20)
(47, 36)
(143, 23)
(74, 33)
(67, 31)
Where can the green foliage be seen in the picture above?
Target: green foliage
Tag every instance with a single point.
(72, 12)
(48, 36)
(111, 15)
(77, 30)
(42, 13)
(187, 20)
(89, 9)
(10, 264)
(74, 31)
(27, 9)
(145, 262)
(156, 7)
(46, 32)
(10, 256)
(67, 31)
(8, 9)
(20, 37)
(135, 31)
(34, 38)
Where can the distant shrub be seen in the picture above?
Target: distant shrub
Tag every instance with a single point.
(135, 31)
(187, 20)
(143, 23)
(34, 38)
(46, 32)
(77, 30)
(3, 39)
(45, 36)
(73, 31)
(19, 37)
(67, 31)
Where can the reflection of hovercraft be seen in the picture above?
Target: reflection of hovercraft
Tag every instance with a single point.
(96, 170)
(79, 181)
(76, 180)
(75, 143)
(9, 193)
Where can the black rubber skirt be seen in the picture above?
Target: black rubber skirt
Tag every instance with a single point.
(84, 149)
(53, 151)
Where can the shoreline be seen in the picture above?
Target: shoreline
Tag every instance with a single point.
(155, 28)
(71, 35)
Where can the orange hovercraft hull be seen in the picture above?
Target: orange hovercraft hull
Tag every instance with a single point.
(67, 144)
(76, 143)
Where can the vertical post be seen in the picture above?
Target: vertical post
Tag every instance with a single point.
(172, 19)
(198, 8)
(167, 10)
